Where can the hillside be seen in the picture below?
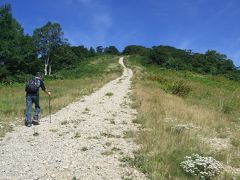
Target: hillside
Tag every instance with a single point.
(184, 113)
(66, 86)
(85, 140)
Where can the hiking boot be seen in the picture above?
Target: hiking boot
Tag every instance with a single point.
(35, 122)
(28, 124)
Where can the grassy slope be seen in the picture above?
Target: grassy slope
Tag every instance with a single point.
(81, 80)
(212, 107)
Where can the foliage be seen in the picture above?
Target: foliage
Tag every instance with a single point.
(82, 52)
(17, 51)
(92, 52)
(173, 127)
(47, 38)
(211, 62)
(64, 56)
(65, 89)
(135, 49)
(204, 167)
(100, 49)
(111, 50)
(180, 88)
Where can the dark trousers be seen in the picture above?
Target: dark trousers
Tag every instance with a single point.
(30, 99)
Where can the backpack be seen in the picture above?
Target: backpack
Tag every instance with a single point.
(32, 86)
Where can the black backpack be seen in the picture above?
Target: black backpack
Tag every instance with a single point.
(32, 86)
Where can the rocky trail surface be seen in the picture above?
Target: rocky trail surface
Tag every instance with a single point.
(85, 140)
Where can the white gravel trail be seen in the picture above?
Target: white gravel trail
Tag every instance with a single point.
(84, 141)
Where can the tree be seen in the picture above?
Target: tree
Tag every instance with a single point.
(63, 57)
(111, 50)
(92, 52)
(80, 51)
(47, 38)
(135, 49)
(99, 49)
(17, 51)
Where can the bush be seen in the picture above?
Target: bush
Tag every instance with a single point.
(203, 167)
(180, 88)
(18, 78)
(54, 77)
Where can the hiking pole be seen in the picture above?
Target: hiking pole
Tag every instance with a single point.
(49, 104)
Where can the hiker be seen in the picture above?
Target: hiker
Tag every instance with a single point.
(32, 96)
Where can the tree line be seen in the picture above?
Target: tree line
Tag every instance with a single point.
(211, 62)
(47, 50)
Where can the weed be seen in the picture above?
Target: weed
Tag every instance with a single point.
(129, 134)
(86, 109)
(115, 149)
(109, 94)
(180, 88)
(203, 167)
(112, 121)
(84, 148)
(77, 135)
(65, 122)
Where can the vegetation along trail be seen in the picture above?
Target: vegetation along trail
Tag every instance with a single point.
(86, 139)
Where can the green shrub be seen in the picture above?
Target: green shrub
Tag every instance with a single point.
(180, 88)
(203, 167)
(54, 77)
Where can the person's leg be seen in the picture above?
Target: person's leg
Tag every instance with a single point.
(37, 110)
(28, 110)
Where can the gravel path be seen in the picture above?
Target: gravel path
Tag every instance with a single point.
(85, 140)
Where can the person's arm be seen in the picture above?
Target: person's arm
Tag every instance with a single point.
(44, 89)
(47, 92)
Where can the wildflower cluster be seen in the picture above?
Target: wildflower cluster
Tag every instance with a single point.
(204, 167)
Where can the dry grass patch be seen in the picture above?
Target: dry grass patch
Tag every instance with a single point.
(84, 81)
(173, 127)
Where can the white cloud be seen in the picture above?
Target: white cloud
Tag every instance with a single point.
(100, 21)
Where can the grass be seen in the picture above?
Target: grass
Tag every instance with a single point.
(77, 135)
(109, 94)
(81, 80)
(129, 134)
(211, 107)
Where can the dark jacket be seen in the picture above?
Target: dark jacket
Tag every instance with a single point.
(40, 84)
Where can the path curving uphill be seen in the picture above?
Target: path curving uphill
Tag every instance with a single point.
(84, 141)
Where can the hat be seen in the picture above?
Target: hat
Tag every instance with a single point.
(38, 74)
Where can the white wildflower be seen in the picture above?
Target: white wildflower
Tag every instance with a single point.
(204, 167)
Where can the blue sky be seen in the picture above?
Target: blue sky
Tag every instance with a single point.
(187, 24)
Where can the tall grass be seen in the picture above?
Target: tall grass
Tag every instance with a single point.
(79, 81)
(175, 127)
